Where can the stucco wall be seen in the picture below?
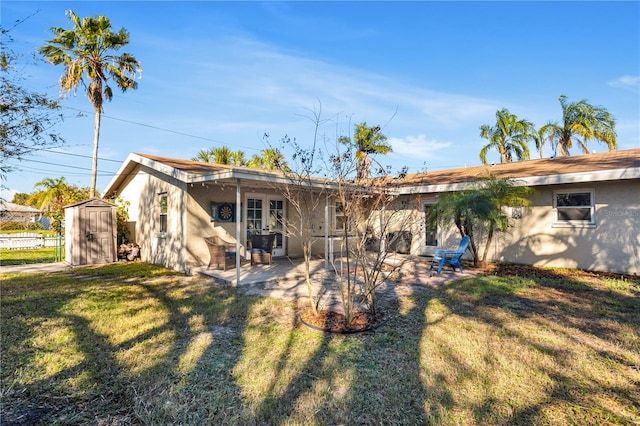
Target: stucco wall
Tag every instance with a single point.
(200, 225)
(613, 244)
(143, 193)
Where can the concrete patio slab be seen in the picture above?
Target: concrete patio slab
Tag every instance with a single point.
(284, 279)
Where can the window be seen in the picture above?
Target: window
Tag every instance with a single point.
(431, 231)
(574, 208)
(341, 219)
(254, 216)
(163, 213)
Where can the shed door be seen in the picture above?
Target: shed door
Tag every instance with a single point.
(98, 235)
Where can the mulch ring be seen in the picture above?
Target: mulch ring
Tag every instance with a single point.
(335, 322)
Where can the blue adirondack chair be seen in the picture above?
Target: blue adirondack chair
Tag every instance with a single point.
(451, 257)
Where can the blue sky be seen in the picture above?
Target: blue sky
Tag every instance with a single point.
(430, 73)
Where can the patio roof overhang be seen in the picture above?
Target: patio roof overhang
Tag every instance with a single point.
(210, 173)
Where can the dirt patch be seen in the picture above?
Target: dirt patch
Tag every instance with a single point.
(508, 270)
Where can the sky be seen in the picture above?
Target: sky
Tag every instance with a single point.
(429, 73)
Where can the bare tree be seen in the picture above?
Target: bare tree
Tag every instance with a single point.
(372, 220)
(305, 193)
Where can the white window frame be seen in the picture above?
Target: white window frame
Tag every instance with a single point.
(574, 223)
(338, 212)
(163, 212)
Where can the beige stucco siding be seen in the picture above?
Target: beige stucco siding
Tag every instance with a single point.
(143, 192)
(200, 223)
(611, 244)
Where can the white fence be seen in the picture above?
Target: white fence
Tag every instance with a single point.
(28, 240)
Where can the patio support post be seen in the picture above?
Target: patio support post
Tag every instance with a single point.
(238, 230)
(326, 230)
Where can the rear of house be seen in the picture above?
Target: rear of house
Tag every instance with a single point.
(585, 214)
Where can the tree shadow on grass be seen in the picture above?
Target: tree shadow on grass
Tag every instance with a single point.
(570, 339)
(363, 378)
(107, 384)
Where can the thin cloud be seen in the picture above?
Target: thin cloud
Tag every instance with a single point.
(412, 145)
(627, 82)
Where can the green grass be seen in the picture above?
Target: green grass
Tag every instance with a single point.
(39, 255)
(24, 256)
(133, 343)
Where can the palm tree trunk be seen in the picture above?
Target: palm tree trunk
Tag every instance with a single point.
(487, 244)
(94, 164)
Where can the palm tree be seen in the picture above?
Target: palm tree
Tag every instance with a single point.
(53, 195)
(269, 159)
(501, 192)
(237, 158)
(510, 137)
(463, 208)
(581, 122)
(221, 155)
(204, 155)
(87, 50)
(541, 137)
(480, 208)
(367, 141)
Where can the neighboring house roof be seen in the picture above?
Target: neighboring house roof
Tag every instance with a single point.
(17, 212)
(16, 208)
(613, 165)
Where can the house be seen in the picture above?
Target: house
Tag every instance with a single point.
(586, 213)
(11, 212)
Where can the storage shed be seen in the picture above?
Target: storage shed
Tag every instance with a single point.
(90, 232)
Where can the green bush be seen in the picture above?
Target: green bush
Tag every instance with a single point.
(19, 226)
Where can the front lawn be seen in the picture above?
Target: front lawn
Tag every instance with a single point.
(130, 343)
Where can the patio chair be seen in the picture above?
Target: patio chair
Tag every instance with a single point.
(261, 247)
(221, 253)
(451, 257)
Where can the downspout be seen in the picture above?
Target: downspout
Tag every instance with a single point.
(238, 230)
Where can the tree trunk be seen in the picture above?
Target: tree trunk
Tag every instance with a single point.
(487, 244)
(94, 164)
(307, 276)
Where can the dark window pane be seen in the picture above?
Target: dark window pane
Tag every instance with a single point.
(430, 231)
(574, 214)
(573, 199)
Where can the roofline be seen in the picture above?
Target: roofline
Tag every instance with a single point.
(555, 179)
(231, 173)
(258, 175)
